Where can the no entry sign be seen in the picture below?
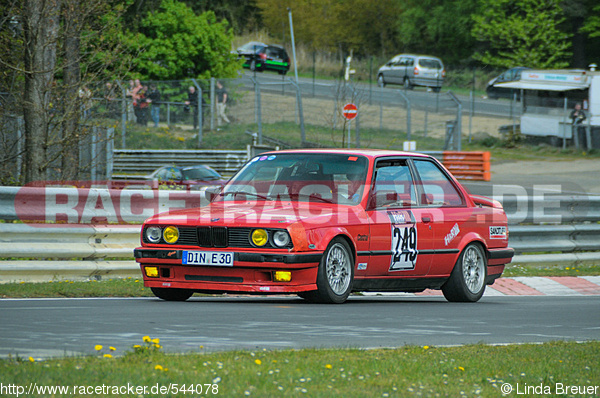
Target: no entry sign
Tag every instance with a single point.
(350, 111)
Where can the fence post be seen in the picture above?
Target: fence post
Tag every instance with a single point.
(458, 126)
(124, 112)
(110, 146)
(20, 144)
(408, 121)
(212, 104)
(300, 112)
(258, 112)
(199, 110)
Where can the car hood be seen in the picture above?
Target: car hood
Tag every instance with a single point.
(274, 214)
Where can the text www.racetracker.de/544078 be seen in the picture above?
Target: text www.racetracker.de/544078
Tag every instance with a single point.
(128, 389)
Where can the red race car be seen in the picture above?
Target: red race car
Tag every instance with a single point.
(324, 223)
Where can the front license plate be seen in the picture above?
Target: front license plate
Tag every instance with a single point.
(219, 259)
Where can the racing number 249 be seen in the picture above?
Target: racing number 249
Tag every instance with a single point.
(405, 239)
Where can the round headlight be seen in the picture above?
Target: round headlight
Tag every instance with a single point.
(281, 238)
(153, 234)
(260, 237)
(171, 234)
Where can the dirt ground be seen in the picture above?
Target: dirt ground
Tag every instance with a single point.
(326, 112)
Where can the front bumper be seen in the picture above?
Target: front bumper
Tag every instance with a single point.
(252, 272)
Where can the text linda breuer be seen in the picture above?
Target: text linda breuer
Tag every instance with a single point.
(559, 389)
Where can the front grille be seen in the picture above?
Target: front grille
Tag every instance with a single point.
(221, 237)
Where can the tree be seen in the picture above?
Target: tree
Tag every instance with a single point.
(176, 44)
(41, 26)
(441, 28)
(522, 32)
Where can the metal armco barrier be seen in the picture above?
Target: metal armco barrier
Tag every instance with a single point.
(468, 165)
(78, 246)
(133, 163)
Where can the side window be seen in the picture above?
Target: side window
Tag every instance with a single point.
(393, 185)
(410, 62)
(438, 190)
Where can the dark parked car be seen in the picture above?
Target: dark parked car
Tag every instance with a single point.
(260, 56)
(511, 75)
(188, 177)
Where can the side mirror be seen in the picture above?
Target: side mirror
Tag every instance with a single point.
(211, 193)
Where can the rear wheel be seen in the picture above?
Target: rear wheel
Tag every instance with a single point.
(467, 280)
(380, 81)
(172, 294)
(335, 274)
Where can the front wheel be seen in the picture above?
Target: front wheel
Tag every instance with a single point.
(335, 274)
(172, 294)
(467, 280)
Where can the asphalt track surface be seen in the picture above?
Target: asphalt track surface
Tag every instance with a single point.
(44, 328)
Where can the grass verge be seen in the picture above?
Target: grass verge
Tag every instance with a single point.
(473, 370)
(235, 137)
(131, 287)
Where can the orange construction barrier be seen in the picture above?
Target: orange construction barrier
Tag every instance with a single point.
(468, 165)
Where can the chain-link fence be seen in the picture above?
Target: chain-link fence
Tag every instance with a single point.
(277, 110)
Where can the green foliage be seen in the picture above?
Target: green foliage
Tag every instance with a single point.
(592, 25)
(522, 32)
(439, 28)
(176, 44)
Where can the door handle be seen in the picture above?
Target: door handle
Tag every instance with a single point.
(426, 219)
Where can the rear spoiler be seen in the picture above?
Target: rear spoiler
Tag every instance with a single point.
(485, 201)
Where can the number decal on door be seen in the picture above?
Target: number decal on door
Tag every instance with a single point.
(404, 241)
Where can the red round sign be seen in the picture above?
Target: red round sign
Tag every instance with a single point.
(350, 111)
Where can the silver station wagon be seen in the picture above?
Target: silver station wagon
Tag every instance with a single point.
(413, 70)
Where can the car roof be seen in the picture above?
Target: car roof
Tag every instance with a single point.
(418, 56)
(369, 153)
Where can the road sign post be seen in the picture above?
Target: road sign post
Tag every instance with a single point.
(350, 111)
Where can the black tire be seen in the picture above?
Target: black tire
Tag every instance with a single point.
(172, 294)
(380, 81)
(335, 274)
(467, 280)
(407, 84)
(436, 89)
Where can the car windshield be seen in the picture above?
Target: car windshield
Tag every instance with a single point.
(252, 46)
(303, 177)
(200, 173)
(430, 63)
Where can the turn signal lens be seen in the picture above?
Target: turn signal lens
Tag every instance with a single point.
(260, 237)
(281, 238)
(151, 272)
(171, 234)
(153, 234)
(282, 276)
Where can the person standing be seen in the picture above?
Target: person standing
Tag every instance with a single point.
(221, 104)
(154, 99)
(577, 116)
(192, 102)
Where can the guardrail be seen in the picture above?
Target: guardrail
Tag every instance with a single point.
(130, 205)
(94, 251)
(132, 163)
